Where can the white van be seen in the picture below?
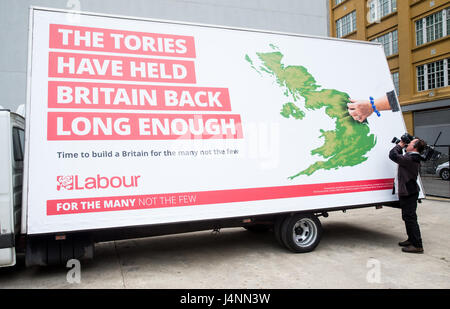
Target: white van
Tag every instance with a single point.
(12, 141)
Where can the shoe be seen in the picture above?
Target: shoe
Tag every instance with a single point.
(405, 243)
(412, 249)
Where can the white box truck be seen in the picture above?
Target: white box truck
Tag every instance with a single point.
(137, 127)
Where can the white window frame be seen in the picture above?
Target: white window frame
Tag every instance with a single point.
(433, 27)
(373, 10)
(446, 16)
(445, 72)
(393, 52)
(346, 20)
(420, 32)
(390, 39)
(385, 4)
(425, 84)
(444, 13)
(444, 66)
(376, 9)
(431, 74)
(396, 81)
(447, 76)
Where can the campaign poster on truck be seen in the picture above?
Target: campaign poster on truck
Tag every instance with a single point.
(138, 122)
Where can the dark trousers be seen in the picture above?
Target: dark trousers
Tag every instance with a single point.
(408, 205)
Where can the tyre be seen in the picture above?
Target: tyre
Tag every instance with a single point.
(36, 252)
(445, 174)
(277, 228)
(48, 251)
(301, 232)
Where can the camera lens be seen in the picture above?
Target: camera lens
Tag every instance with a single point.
(395, 140)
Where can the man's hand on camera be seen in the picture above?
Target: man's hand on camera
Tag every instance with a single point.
(402, 144)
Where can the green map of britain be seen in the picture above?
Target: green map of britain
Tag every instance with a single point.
(348, 144)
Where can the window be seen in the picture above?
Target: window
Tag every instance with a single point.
(421, 78)
(18, 143)
(346, 24)
(433, 27)
(448, 72)
(419, 32)
(433, 75)
(395, 79)
(385, 7)
(394, 42)
(380, 8)
(439, 74)
(336, 2)
(448, 20)
(386, 44)
(390, 42)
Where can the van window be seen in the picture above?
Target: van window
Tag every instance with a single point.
(18, 143)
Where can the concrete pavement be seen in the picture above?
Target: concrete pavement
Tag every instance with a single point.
(436, 186)
(358, 250)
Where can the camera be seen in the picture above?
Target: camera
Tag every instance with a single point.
(427, 154)
(405, 138)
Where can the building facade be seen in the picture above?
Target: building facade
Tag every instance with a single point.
(416, 39)
(295, 16)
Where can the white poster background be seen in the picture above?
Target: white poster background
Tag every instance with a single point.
(273, 147)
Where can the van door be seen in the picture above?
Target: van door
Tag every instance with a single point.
(18, 137)
(7, 243)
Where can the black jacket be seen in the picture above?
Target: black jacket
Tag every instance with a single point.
(408, 169)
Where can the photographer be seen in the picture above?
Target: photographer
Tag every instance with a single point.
(408, 189)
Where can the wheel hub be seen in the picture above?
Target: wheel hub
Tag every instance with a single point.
(305, 232)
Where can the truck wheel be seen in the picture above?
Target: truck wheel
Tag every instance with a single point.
(301, 232)
(277, 228)
(445, 174)
(48, 251)
(36, 252)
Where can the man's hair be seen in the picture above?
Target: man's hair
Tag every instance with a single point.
(420, 145)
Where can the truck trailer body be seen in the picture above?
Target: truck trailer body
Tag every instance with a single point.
(138, 127)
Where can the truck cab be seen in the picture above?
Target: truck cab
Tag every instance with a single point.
(12, 141)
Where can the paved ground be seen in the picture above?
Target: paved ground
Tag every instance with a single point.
(434, 185)
(358, 250)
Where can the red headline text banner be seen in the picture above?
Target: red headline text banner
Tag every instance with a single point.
(136, 97)
(126, 126)
(115, 203)
(120, 41)
(87, 66)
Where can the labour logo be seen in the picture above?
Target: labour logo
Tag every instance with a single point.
(64, 183)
